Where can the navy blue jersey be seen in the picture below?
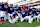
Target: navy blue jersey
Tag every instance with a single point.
(31, 14)
(33, 9)
(14, 15)
(16, 8)
(30, 10)
(27, 13)
(23, 14)
(1, 8)
(5, 6)
(37, 12)
(11, 10)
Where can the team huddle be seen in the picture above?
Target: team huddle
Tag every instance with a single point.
(18, 13)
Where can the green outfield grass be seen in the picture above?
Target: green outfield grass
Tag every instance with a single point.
(19, 24)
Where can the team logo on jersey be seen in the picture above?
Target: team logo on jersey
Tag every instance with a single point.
(33, 9)
(11, 8)
(5, 6)
(37, 12)
(0, 7)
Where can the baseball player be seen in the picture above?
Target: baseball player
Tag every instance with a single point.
(2, 14)
(36, 15)
(25, 17)
(15, 17)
